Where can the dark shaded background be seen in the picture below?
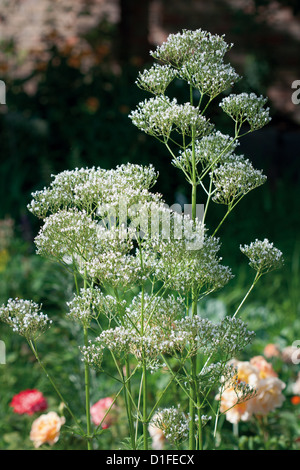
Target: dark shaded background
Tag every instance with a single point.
(69, 96)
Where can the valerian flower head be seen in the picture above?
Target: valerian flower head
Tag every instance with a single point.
(156, 79)
(67, 235)
(89, 304)
(117, 268)
(263, 256)
(157, 311)
(198, 57)
(173, 422)
(25, 318)
(196, 268)
(248, 108)
(208, 75)
(92, 354)
(210, 151)
(153, 333)
(160, 116)
(232, 337)
(188, 46)
(233, 180)
(153, 116)
(227, 337)
(87, 189)
(214, 373)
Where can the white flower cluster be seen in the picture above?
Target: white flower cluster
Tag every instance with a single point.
(211, 375)
(148, 327)
(118, 269)
(87, 228)
(209, 74)
(92, 355)
(156, 79)
(248, 108)
(173, 422)
(160, 116)
(263, 255)
(189, 46)
(68, 235)
(25, 318)
(90, 303)
(151, 328)
(198, 268)
(174, 247)
(232, 337)
(255, 389)
(88, 189)
(159, 223)
(211, 150)
(157, 311)
(233, 180)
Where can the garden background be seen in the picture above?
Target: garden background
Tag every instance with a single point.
(70, 68)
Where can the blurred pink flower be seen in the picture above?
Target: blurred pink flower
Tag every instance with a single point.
(99, 410)
(29, 402)
(271, 350)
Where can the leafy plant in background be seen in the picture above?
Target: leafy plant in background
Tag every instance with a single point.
(141, 268)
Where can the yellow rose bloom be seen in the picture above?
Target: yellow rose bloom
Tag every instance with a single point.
(46, 429)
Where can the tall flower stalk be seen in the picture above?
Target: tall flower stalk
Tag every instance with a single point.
(141, 268)
(197, 58)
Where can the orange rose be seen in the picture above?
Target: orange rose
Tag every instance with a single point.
(46, 429)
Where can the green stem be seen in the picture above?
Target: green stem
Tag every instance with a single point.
(193, 394)
(32, 347)
(257, 276)
(193, 399)
(144, 368)
(127, 391)
(207, 201)
(200, 439)
(145, 430)
(87, 381)
(222, 221)
(145, 424)
(87, 393)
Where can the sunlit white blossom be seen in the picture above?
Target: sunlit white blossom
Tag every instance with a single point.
(248, 108)
(156, 79)
(233, 180)
(263, 255)
(25, 318)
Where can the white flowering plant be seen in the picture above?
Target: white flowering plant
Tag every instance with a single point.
(141, 268)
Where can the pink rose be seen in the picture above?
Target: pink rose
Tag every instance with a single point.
(101, 415)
